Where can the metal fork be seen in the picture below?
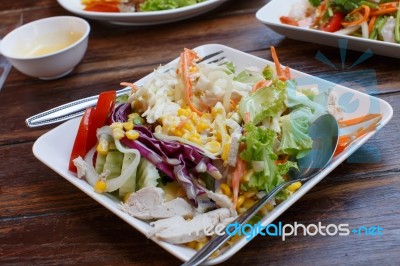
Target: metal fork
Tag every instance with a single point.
(77, 108)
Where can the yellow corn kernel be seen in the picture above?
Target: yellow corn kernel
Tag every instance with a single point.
(226, 189)
(240, 201)
(225, 152)
(199, 245)
(202, 126)
(248, 203)
(183, 112)
(189, 126)
(216, 111)
(194, 117)
(195, 139)
(128, 125)
(269, 206)
(264, 211)
(293, 187)
(116, 125)
(103, 146)
(246, 177)
(178, 132)
(250, 193)
(100, 186)
(118, 133)
(206, 117)
(192, 244)
(132, 134)
(126, 196)
(218, 136)
(213, 146)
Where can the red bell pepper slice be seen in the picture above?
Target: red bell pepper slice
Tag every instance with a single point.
(92, 119)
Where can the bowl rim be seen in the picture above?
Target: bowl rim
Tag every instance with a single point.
(47, 19)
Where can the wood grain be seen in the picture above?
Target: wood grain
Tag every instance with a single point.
(44, 220)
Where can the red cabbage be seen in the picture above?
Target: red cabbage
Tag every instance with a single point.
(176, 160)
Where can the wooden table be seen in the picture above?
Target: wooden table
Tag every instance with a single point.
(46, 220)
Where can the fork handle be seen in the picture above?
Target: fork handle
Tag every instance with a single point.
(66, 111)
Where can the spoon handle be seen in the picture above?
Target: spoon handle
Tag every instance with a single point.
(216, 242)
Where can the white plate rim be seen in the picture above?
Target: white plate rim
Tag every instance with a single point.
(44, 144)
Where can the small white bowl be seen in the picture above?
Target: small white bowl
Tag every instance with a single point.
(47, 48)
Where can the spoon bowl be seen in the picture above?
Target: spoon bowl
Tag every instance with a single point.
(324, 132)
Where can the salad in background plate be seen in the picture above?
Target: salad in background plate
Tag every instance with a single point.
(135, 5)
(369, 19)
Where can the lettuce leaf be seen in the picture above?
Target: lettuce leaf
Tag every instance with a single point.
(259, 150)
(154, 5)
(265, 102)
(295, 140)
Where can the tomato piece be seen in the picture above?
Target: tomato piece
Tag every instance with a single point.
(80, 144)
(103, 7)
(334, 23)
(92, 119)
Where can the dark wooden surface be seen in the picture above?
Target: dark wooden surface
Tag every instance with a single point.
(46, 220)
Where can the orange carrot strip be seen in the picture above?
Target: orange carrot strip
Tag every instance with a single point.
(237, 174)
(184, 121)
(288, 21)
(357, 120)
(346, 140)
(371, 23)
(261, 84)
(128, 84)
(362, 13)
(381, 12)
(276, 61)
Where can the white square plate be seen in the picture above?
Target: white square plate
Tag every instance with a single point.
(55, 153)
(142, 18)
(271, 12)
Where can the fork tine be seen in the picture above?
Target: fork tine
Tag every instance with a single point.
(206, 57)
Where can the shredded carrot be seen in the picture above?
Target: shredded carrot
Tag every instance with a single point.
(237, 174)
(345, 140)
(381, 12)
(357, 120)
(362, 14)
(276, 61)
(371, 23)
(281, 74)
(186, 59)
(128, 84)
(261, 84)
(288, 21)
(184, 121)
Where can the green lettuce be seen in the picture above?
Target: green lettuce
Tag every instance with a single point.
(259, 150)
(154, 5)
(295, 140)
(265, 102)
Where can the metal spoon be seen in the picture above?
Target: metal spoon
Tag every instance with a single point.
(324, 132)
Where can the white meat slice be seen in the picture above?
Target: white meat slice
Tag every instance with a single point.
(177, 230)
(148, 203)
(221, 200)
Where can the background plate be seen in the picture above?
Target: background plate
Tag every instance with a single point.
(55, 153)
(271, 12)
(142, 18)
